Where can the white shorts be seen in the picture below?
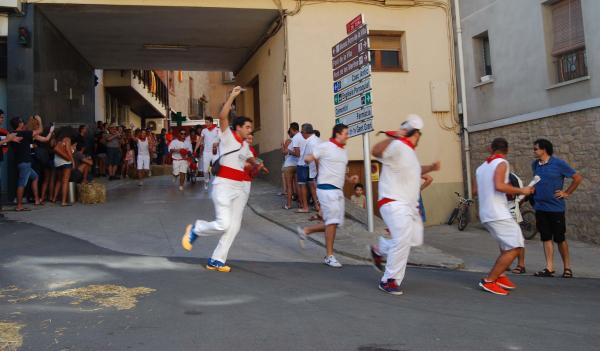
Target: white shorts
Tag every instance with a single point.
(333, 206)
(507, 233)
(180, 166)
(143, 162)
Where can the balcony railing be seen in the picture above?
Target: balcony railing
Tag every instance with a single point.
(571, 65)
(144, 77)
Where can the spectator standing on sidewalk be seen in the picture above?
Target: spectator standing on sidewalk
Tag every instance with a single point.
(332, 158)
(23, 159)
(358, 198)
(399, 188)
(5, 139)
(549, 204)
(100, 148)
(299, 144)
(492, 186)
(63, 163)
(113, 151)
(289, 165)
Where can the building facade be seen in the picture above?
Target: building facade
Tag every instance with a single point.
(280, 51)
(531, 72)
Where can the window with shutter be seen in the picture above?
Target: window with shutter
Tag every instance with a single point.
(567, 24)
(386, 51)
(568, 43)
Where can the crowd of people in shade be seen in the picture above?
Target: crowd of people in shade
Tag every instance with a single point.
(47, 159)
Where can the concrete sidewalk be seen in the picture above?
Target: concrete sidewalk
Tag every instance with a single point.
(352, 239)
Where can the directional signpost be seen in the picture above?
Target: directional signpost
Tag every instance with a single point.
(352, 92)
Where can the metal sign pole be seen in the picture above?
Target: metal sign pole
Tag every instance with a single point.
(368, 182)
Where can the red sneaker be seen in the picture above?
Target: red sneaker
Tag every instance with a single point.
(505, 283)
(492, 287)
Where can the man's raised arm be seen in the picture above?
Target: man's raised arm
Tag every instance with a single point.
(224, 114)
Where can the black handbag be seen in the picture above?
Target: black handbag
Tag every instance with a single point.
(215, 165)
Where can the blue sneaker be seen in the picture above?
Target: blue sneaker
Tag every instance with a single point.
(391, 287)
(188, 237)
(214, 265)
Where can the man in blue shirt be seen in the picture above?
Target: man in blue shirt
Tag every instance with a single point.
(549, 204)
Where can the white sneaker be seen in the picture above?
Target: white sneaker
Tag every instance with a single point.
(205, 185)
(180, 188)
(332, 262)
(301, 236)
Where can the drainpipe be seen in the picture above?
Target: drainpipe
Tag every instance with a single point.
(463, 93)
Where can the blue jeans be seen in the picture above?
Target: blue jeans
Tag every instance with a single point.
(26, 173)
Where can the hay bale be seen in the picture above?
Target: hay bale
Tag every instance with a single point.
(92, 193)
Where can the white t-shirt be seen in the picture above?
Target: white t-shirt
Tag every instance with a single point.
(400, 178)
(142, 147)
(333, 161)
(210, 138)
(493, 205)
(177, 144)
(311, 143)
(290, 160)
(235, 160)
(298, 141)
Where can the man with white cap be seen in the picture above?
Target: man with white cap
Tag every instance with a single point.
(399, 187)
(332, 160)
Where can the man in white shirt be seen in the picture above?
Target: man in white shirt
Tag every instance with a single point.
(289, 165)
(492, 185)
(180, 151)
(143, 156)
(332, 160)
(399, 188)
(311, 143)
(209, 141)
(303, 168)
(231, 187)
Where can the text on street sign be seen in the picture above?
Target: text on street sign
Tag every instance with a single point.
(352, 78)
(356, 116)
(354, 37)
(360, 128)
(355, 64)
(353, 91)
(352, 52)
(353, 104)
(354, 23)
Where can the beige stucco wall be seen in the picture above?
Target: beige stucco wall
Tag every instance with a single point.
(179, 101)
(267, 64)
(217, 92)
(312, 33)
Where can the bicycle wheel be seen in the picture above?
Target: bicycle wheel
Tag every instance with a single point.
(453, 216)
(528, 226)
(463, 219)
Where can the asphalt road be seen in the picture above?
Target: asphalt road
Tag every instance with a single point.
(271, 305)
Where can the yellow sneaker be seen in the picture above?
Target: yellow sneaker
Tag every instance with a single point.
(214, 265)
(188, 238)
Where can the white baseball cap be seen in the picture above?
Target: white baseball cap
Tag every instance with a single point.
(413, 121)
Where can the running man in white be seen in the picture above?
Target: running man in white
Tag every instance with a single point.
(332, 160)
(231, 188)
(399, 190)
(209, 141)
(492, 185)
(180, 150)
(143, 156)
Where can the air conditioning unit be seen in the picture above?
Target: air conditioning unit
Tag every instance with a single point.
(228, 77)
(11, 5)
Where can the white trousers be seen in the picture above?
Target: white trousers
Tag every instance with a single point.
(229, 198)
(406, 229)
(207, 157)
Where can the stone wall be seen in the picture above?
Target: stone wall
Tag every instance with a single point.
(576, 139)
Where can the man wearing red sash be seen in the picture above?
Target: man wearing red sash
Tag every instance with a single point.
(230, 188)
(492, 186)
(399, 188)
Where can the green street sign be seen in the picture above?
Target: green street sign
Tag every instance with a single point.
(178, 118)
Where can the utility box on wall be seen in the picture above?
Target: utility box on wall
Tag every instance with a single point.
(440, 96)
